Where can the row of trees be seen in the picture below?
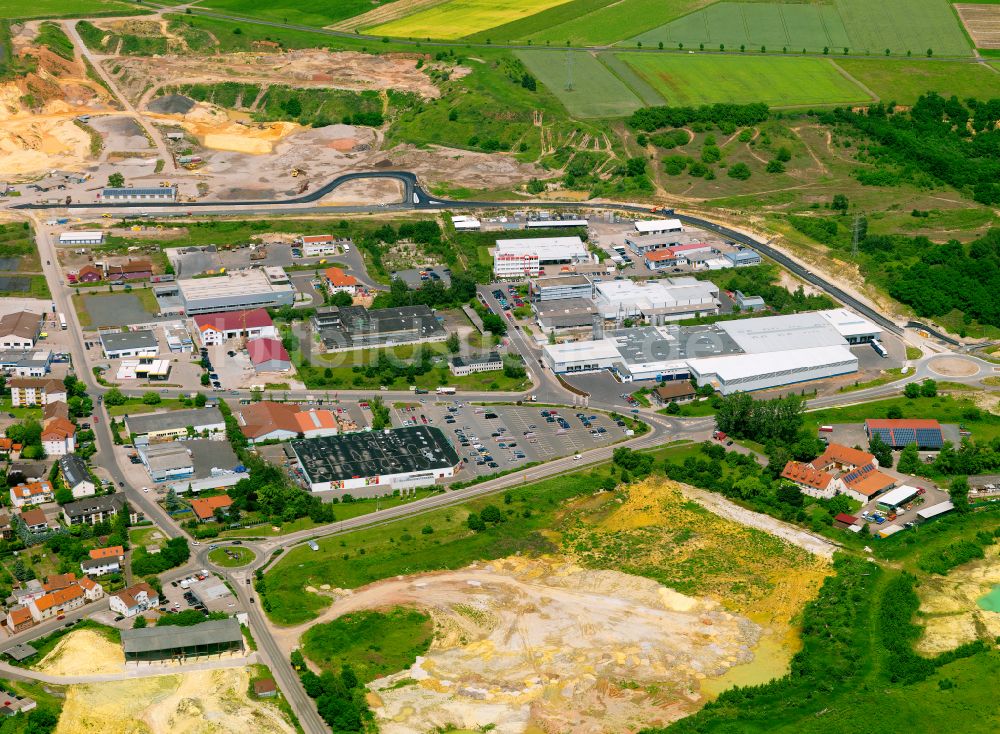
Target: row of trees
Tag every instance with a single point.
(650, 119)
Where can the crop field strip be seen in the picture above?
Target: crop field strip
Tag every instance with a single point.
(459, 18)
(316, 13)
(595, 90)
(982, 23)
(904, 81)
(774, 80)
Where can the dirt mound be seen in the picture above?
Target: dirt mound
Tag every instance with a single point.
(949, 605)
(172, 104)
(83, 652)
(206, 701)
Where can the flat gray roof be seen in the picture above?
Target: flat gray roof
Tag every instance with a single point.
(561, 280)
(153, 639)
(114, 342)
(146, 422)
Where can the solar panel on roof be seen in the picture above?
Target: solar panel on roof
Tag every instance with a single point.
(904, 436)
(930, 438)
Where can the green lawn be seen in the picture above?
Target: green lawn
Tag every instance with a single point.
(373, 643)
(143, 536)
(903, 81)
(134, 406)
(19, 413)
(777, 81)
(65, 8)
(594, 92)
(231, 556)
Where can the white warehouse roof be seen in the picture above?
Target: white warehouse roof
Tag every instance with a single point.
(653, 295)
(600, 350)
(732, 367)
(95, 235)
(658, 225)
(898, 496)
(934, 510)
(546, 248)
(849, 324)
(780, 333)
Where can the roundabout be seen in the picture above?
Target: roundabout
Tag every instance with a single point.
(954, 366)
(231, 556)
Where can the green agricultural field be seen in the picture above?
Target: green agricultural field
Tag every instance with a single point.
(774, 25)
(373, 643)
(595, 91)
(317, 13)
(458, 18)
(904, 81)
(903, 26)
(777, 81)
(65, 8)
(603, 23)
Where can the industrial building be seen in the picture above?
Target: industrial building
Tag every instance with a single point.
(89, 237)
(731, 356)
(461, 366)
(236, 291)
(123, 344)
(658, 226)
(526, 257)
(564, 314)
(743, 258)
(213, 637)
(155, 193)
(355, 327)
(464, 223)
(271, 421)
(899, 433)
(558, 287)
(413, 456)
(20, 330)
(268, 355)
(167, 426)
(167, 461)
(656, 301)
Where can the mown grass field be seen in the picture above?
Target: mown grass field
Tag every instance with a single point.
(903, 26)
(317, 13)
(904, 81)
(774, 25)
(65, 8)
(591, 23)
(458, 18)
(595, 91)
(779, 82)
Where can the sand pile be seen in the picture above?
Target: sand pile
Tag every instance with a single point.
(220, 130)
(41, 144)
(206, 701)
(171, 104)
(83, 652)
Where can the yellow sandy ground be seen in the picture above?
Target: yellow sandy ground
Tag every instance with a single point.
(204, 702)
(83, 652)
(220, 130)
(950, 614)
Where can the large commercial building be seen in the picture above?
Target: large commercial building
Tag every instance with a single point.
(167, 461)
(156, 427)
(731, 356)
(90, 237)
(565, 313)
(527, 257)
(271, 421)
(124, 344)
(414, 456)
(901, 432)
(19, 330)
(156, 193)
(236, 291)
(557, 287)
(658, 226)
(355, 327)
(656, 301)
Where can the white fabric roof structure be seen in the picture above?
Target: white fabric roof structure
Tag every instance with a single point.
(462, 222)
(897, 496)
(548, 249)
(779, 333)
(849, 324)
(658, 225)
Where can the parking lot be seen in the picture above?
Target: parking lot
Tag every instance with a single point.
(416, 278)
(501, 437)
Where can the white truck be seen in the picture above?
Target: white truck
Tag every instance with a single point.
(445, 390)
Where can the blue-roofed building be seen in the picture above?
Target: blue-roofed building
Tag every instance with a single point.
(155, 193)
(925, 433)
(743, 258)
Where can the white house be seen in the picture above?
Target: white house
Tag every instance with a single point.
(100, 566)
(134, 600)
(76, 476)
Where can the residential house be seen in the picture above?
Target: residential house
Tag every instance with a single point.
(839, 470)
(840, 458)
(19, 619)
(675, 391)
(134, 600)
(20, 330)
(6, 531)
(59, 437)
(268, 355)
(56, 581)
(89, 274)
(57, 602)
(35, 520)
(11, 705)
(7, 447)
(36, 391)
(92, 590)
(337, 281)
(204, 507)
(93, 510)
(112, 551)
(34, 493)
(57, 409)
(866, 482)
(100, 566)
(31, 589)
(77, 477)
(216, 328)
(810, 481)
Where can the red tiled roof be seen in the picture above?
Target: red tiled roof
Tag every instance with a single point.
(265, 349)
(20, 616)
(27, 491)
(259, 419)
(34, 516)
(205, 507)
(840, 454)
(232, 320)
(59, 581)
(58, 598)
(902, 423)
(114, 551)
(868, 483)
(314, 239)
(805, 474)
(339, 278)
(58, 429)
(845, 518)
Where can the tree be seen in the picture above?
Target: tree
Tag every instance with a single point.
(200, 400)
(929, 389)
(880, 450)
(452, 342)
(151, 398)
(114, 396)
(139, 623)
(783, 154)
(116, 180)
(491, 514)
(789, 494)
(172, 501)
(909, 460)
(894, 413)
(341, 299)
(475, 522)
(739, 171)
(64, 495)
(912, 390)
(839, 203)
(959, 492)
(635, 167)
(775, 166)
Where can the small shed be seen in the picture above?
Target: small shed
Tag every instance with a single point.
(265, 688)
(844, 521)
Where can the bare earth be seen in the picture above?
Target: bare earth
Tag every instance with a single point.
(204, 702)
(546, 643)
(982, 22)
(83, 652)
